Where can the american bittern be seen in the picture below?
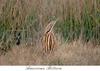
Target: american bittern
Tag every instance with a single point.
(49, 39)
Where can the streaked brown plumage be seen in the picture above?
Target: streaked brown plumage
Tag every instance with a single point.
(49, 39)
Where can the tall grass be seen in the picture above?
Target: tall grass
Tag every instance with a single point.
(85, 24)
(13, 18)
(78, 19)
